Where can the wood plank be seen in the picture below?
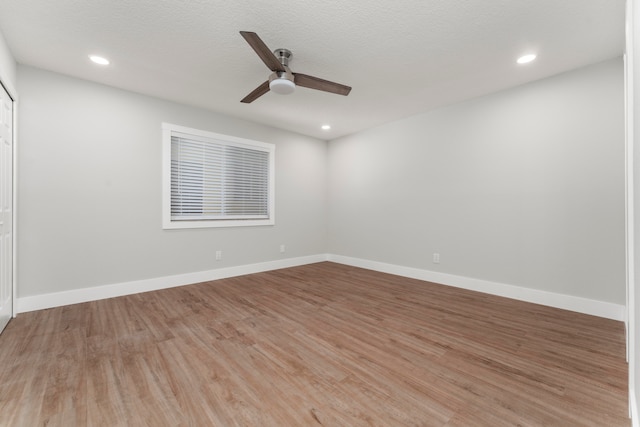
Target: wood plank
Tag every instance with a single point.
(323, 344)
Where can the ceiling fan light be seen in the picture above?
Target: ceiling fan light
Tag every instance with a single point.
(282, 86)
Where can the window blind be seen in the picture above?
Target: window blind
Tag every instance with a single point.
(217, 180)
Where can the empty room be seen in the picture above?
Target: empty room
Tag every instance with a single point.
(384, 213)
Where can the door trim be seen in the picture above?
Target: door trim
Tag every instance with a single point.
(13, 94)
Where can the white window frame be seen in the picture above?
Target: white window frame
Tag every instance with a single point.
(168, 130)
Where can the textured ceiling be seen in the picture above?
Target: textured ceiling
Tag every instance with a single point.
(401, 57)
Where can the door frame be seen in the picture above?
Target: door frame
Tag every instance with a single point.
(13, 94)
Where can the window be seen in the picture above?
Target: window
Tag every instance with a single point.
(212, 180)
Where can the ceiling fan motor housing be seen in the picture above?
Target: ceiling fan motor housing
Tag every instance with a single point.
(282, 82)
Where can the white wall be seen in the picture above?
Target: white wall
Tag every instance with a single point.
(90, 190)
(7, 64)
(523, 187)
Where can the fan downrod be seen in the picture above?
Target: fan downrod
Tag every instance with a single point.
(283, 55)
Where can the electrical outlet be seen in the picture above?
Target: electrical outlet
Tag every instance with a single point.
(282, 249)
(218, 255)
(436, 258)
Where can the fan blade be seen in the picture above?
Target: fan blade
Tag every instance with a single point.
(257, 93)
(321, 84)
(263, 51)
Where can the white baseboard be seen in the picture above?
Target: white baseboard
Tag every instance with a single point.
(57, 299)
(567, 302)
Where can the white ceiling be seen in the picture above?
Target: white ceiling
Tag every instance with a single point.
(401, 57)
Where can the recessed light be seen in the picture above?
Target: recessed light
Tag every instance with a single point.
(326, 127)
(526, 58)
(99, 59)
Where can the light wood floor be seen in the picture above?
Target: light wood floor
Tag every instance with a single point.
(318, 345)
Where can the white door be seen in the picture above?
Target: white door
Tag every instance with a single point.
(6, 208)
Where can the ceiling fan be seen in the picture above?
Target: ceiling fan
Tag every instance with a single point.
(283, 80)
